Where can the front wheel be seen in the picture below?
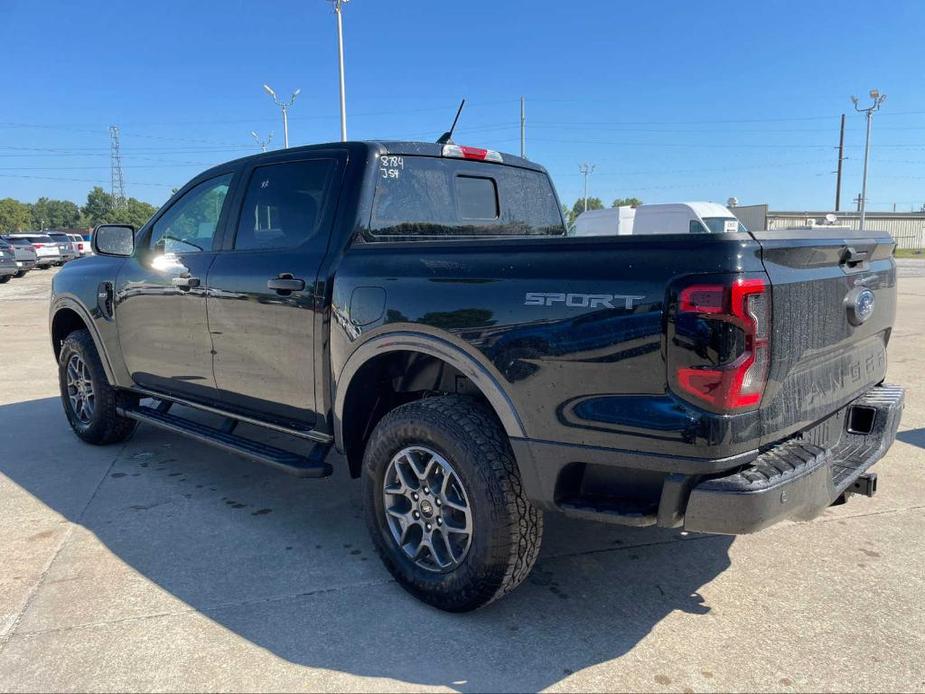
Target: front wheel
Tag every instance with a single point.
(89, 401)
(445, 505)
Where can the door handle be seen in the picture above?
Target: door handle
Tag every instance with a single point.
(286, 283)
(185, 283)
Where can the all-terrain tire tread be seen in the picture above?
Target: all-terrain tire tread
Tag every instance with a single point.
(481, 434)
(114, 427)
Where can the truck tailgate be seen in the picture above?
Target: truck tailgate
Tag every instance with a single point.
(829, 340)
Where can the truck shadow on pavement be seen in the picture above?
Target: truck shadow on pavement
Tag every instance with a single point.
(914, 437)
(287, 565)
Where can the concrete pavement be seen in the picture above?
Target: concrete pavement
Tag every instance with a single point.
(162, 564)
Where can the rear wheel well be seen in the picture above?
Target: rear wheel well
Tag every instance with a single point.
(387, 381)
(63, 324)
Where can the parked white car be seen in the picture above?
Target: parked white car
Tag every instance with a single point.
(46, 249)
(80, 245)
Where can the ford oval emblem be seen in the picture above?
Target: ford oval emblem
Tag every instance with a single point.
(860, 303)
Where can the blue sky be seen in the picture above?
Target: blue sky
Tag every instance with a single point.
(670, 100)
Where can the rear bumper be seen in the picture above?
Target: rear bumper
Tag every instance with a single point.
(795, 479)
(798, 479)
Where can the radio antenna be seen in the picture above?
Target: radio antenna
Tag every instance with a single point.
(447, 137)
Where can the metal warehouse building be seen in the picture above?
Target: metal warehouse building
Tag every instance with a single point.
(907, 228)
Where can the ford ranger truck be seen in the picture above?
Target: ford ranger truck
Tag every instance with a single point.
(420, 308)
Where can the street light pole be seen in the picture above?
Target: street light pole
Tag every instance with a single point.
(262, 143)
(586, 170)
(284, 107)
(869, 112)
(338, 5)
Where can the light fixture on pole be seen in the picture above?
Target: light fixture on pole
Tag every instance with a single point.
(263, 144)
(284, 107)
(877, 99)
(338, 6)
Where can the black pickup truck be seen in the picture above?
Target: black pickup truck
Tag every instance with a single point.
(421, 308)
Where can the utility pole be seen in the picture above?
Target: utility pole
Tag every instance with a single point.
(263, 144)
(117, 184)
(523, 129)
(841, 158)
(586, 170)
(338, 6)
(857, 202)
(284, 107)
(877, 98)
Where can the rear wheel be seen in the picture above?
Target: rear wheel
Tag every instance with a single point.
(21, 273)
(445, 506)
(89, 401)
(5, 279)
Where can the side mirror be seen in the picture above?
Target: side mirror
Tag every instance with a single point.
(114, 239)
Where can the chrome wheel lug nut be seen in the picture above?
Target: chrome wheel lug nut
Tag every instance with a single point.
(426, 490)
(429, 526)
(439, 520)
(416, 515)
(439, 503)
(414, 495)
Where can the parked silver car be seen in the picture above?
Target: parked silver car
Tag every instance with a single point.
(46, 249)
(65, 246)
(8, 267)
(23, 252)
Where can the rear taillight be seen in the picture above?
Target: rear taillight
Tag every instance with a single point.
(477, 153)
(727, 328)
(38, 245)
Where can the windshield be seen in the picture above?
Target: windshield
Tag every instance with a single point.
(720, 225)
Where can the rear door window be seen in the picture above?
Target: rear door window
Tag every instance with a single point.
(285, 204)
(424, 198)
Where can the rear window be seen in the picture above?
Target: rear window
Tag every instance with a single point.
(429, 198)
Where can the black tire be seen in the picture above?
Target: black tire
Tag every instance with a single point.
(103, 425)
(21, 273)
(507, 528)
(5, 279)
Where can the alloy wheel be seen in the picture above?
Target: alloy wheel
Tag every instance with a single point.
(427, 509)
(80, 389)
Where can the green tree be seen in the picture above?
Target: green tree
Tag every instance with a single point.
(14, 216)
(54, 214)
(134, 212)
(622, 202)
(579, 207)
(98, 209)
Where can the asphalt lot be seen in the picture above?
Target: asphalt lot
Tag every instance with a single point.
(163, 564)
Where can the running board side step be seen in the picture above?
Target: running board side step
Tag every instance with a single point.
(312, 465)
